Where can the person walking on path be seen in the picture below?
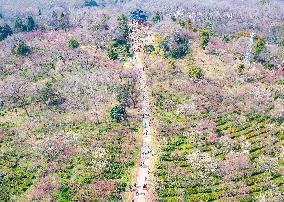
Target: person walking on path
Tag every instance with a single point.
(146, 133)
(145, 186)
(145, 125)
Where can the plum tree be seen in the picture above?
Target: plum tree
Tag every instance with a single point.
(129, 89)
(17, 91)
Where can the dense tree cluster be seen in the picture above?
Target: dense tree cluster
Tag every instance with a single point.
(26, 25)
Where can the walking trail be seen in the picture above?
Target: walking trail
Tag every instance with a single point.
(142, 176)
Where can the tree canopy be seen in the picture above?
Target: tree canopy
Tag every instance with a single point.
(138, 15)
(5, 31)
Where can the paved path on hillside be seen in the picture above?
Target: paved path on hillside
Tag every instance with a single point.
(142, 176)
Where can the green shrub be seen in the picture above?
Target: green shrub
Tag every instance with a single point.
(118, 113)
(189, 191)
(278, 181)
(204, 35)
(173, 18)
(135, 128)
(64, 194)
(156, 18)
(73, 43)
(269, 66)
(254, 188)
(264, 2)
(175, 46)
(195, 73)
(29, 24)
(246, 199)
(90, 3)
(123, 26)
(51, 97)
(21, 49)
(215, 195)
(19, 25)
(226, 38)
(280, 82)
(4, 72)
(123, 95)
(169, 192)
(178, 52)
(118, 49)
(6, 125)
(240, 68)
(259, 45)
(149, 49)
(112, 54)
(199, 197)
(5, 31)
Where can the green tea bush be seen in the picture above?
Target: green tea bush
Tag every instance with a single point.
(259, 45)
(118, 49)
(195, 73)
(112, 54)
(205, 35)
(73, 43)
(240, 68)
(226, 38)
(118, 113)
(21, 49)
